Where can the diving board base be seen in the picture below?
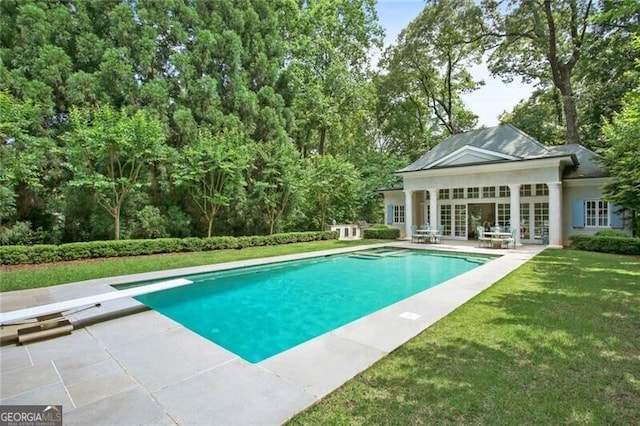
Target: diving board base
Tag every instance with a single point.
(46, 327)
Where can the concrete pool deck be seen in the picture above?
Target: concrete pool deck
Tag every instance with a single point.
(130, 365)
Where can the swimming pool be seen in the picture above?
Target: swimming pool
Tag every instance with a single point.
(257, 312)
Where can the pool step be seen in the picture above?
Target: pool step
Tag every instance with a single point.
(374, 255)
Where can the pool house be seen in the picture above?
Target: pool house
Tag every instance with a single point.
(489, 177)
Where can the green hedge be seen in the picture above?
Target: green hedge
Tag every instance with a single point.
(379, 233)
(13, 255)
(606, 244)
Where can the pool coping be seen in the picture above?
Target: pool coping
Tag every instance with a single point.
(103, 369)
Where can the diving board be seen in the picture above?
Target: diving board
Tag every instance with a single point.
(59, 307)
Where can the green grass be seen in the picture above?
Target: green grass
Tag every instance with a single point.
(555, 342)
(44, 275)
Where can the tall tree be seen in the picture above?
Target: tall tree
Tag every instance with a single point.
(276, 181)
(107, 151)
(327, 66)
(332, 190)
(431, 61)
(541, 40)
(605, 74)
(211, 170)
(538, 117)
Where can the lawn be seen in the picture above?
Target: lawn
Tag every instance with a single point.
(555, 342)
(43, 275)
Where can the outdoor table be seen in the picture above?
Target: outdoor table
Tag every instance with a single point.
(429, 234)
(497, 237)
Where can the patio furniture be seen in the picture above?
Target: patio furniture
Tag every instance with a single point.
(483, 241)
(497, 237)
(437, 236)
(510, 242)
(416, 236)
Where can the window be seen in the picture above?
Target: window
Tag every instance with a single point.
(524, 221)
(542, 189)
(596, 213)
(458, 193)
(541, 219)
(460, 229)
(504, 191)
(488, 192)
(444, 194)
(473, 192)
(525, 191)
(398, 214)
(504, 214)
(445, 218)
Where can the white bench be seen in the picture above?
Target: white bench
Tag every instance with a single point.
(59, 307)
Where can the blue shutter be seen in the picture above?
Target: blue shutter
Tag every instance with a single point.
(617, 216)
(389, 214)
(578, 214)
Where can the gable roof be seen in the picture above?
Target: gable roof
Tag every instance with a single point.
(503, 143)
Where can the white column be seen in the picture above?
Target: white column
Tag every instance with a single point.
(433, 207)
(514, 190)
(555, 214)
(408, 212)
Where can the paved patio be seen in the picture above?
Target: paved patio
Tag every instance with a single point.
(129, 365)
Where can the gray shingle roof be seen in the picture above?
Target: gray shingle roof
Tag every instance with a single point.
(588, 166)
(505, 139)
(509, 141)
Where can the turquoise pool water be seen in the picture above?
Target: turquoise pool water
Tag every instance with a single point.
(258, 312)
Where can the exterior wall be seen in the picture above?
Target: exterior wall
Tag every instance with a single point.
(395, 198)
(582, 189)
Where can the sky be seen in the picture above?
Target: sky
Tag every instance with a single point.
(490, 100)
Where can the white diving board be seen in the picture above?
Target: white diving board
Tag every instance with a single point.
(59, 307)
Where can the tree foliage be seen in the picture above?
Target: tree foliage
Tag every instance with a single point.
(211, 170)
(429, 67)
(541, 41)
(107, 151)
(197, 117)
(621, 155)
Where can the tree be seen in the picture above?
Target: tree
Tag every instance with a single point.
(327, 66)
(107, 150)
(211, 169)
(604, 75)
(332, 190)
(276, 181)
(541, 40)
(429, 65)
(535, 117)
(621, 156)
(28, 158)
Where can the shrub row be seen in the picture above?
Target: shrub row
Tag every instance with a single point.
(379, 233)
(606, 244)
(13, 255)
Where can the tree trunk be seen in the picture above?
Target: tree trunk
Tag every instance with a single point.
(570, 111)
(322, 141)
(116, 222)
(210, 227)
(557, 104)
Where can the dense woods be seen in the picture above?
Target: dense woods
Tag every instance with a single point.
(175, 118)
